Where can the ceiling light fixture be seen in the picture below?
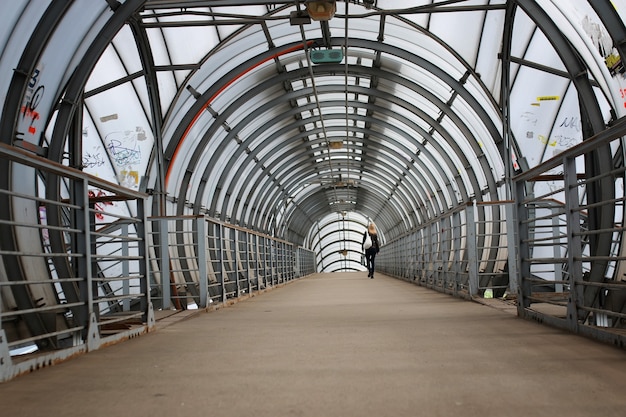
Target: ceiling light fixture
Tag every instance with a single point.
(299, 17)
(326, 56)
(321, 10)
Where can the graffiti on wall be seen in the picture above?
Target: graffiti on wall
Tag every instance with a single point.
(124, 148)
(34, 94)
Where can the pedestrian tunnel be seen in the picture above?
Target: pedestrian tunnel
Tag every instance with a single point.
(160, 156)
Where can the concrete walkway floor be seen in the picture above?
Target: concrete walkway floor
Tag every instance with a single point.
(336, 345)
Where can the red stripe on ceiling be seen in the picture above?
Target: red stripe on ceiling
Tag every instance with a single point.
(212, 98)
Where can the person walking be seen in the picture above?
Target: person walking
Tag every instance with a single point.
(371, 247)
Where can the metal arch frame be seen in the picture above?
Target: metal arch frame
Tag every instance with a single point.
(326, 255)
(206, 98)
(306, 149)
(355, 218)
(306, 175)
(389, 164)
(8, 123)
(579, 90)
(269, 167)
(452, 143)
(315, 192)
(65, 125)
(330, 233)
(318, 196)
(316, 207)
(593, 122)
(252, 153)
(156, 118)
(262, 160)
(332, 257)
(612, 22)
(156, 112)
(453, 83)
(486, 176)
(69, 106)
(371, 180)
(452, 52)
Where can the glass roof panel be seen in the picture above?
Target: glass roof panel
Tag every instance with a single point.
(465, 37)
(536, 107)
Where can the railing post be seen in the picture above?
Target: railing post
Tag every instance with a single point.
(298, 262)
(125, 270)
(472, 250)
(144, 264)
(257, 257)
(83, 264)
(221, 258)
(456, 242)
(236, 261)
(512, 248)
(574, 236)
(247, 263)
(556, 250)
(166, 301)
(203, 278)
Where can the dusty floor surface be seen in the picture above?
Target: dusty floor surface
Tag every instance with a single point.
(336, 345)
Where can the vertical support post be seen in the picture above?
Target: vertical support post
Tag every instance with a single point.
(222, 280)
(472, 250)
(574, 254)
(290, 261)
(236, 261)
(144, 264)
(164, 254)
(413, 256)
(283, 260)
(203, 278)
(93, 333)
(81, 243)
(270, 256)
(246, 264)
(6, 363)
(277, 261)
(425, 253)
(511, 243)
(298, 263)
(125, 271)
(522, 233)
(556, 250)
(456, 239)
(89, 225)
(258, 262)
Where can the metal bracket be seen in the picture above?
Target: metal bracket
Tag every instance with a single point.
(151, 321)
(6, 364)
(93, 334)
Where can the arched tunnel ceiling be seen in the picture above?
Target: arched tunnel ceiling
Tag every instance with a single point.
(217, 108)
(397, 131)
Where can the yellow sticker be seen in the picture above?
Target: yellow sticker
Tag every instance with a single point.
(547, 98)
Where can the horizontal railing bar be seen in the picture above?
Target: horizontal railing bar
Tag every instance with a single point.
(43, 255)
(41, 309)
(43, 282)
(45, 336)
(104, 320)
